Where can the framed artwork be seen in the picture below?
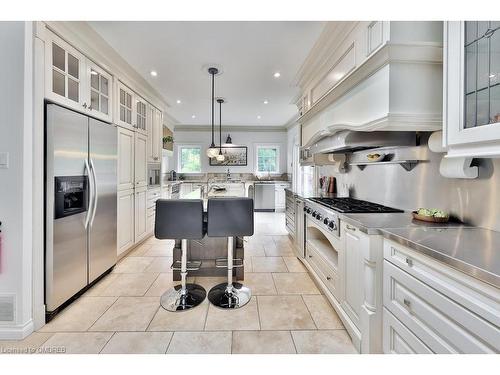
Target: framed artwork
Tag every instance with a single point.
(236, 156)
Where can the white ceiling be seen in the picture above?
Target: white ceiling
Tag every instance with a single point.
(248, 52)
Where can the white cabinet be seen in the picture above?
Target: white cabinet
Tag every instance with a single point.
(140, 159)
(140, 214)
(124, 106)
(352, 271)
(152, 196)
(280, 196)
(99, 94)
(154, 131)
(140, 114)
(126, 221)
(126, 159)
(472, 88)
(448, 311)
(74, 81)
(186, 188)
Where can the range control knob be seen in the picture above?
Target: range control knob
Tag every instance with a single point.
(319, 216)
(305, 209)
(332, 225)
(326, 221)
(308, 210)
(314, 214)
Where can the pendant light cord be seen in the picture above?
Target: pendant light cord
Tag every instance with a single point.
(213, 104)
(220, 127)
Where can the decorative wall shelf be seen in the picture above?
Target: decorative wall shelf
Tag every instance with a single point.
(406, 164)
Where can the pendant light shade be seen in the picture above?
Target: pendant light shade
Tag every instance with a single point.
(212, 151)
(220, 156)
(229, 141)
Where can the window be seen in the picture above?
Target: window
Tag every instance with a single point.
(190, 159)
(268, 159)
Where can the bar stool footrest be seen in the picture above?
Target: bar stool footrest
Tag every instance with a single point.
(192, 265)
(222, 262)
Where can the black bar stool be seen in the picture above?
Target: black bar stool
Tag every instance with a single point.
(181, 219)
(230, 217)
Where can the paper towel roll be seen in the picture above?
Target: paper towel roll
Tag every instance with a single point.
(457, 168)
(435, 142)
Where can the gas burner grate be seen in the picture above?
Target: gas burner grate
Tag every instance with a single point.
(351, 205)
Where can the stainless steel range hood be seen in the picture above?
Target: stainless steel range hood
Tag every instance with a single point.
(349, 141)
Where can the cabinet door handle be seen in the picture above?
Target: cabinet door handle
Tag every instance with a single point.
(409, 262)
(310, 256)
(328, 278)
(84, 105)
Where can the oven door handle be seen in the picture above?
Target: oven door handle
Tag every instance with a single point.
(91, 194)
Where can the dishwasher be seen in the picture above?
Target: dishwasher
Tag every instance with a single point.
(264, 199)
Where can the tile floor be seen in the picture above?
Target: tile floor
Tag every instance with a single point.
(122, 313)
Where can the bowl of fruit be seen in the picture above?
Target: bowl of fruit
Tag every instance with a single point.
(432, 215)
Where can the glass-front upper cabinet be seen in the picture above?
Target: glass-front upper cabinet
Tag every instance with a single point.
(100, 92)
(125, 106)
(140, 115)
(64, 78)
(472, 88)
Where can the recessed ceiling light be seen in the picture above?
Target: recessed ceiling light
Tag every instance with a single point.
(178, 101)
(193, 116)
(277, 75)
(258, 117)
(266, 101)
(153, 73)
(93, 72)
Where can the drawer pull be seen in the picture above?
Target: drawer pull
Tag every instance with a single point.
(328, 278)
(407, 303)
(350, 228)
(409, 262)
(310, 256)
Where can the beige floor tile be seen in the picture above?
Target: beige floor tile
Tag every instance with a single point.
(322, 312)
(209, 282)
(160, 250)
(323, 342)
(76, 343)
(28, 345)
(160, 265)
(139, 250)
(294, 265)
(268, 264)
(284, 313)
(263, 342)
(200, 343)
(80, 315)
(133, 265)
(254, 250)
(98, 288)
(261, 284)
(283, 240)
(294, 283)
(244, 318)
(247, 263)
(162, 283)
(138, 343)
(279, 249)
(190, 320)
(128, 314)
(129, 284)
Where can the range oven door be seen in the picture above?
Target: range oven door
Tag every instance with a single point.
(324, 253)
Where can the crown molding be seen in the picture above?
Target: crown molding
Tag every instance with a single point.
(234, 128)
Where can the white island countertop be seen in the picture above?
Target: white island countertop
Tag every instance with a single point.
(233, 190)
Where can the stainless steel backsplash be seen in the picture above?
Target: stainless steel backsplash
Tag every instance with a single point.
(476, 202)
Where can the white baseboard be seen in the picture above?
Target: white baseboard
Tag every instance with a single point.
(18, 332)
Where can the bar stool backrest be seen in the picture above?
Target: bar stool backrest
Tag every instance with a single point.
(179, 219)
(230, 217)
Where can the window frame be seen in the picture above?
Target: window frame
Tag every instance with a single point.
(278, 157)
(179, 157)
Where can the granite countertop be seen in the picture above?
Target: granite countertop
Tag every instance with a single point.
(310, 193)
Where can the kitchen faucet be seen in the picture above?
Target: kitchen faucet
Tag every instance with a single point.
(228, 175)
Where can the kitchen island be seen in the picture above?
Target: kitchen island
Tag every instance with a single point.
(208, 249)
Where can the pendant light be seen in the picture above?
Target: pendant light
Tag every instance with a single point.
(220, 156)
(212, 151)
(229, 141)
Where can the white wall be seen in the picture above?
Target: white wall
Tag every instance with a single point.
(249, 138)
(16, 194)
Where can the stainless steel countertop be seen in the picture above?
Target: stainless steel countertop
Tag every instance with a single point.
(376, 223)
(474, 251)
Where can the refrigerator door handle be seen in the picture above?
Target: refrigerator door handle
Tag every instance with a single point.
(91, 191)
(95, 195)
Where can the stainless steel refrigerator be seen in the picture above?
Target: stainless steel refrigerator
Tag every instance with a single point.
(81, 199)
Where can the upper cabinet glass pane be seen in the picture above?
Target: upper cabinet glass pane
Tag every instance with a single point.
(58, 57)
(481, 72)
(73, 66)
(104, 85)
(94, 79)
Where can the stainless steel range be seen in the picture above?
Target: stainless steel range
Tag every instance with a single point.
(325, 210)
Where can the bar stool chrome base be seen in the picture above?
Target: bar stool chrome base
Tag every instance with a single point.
(234, 298)
(173, 300)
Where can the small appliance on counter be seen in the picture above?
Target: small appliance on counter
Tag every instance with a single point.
(154, 173)
(172, 175)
